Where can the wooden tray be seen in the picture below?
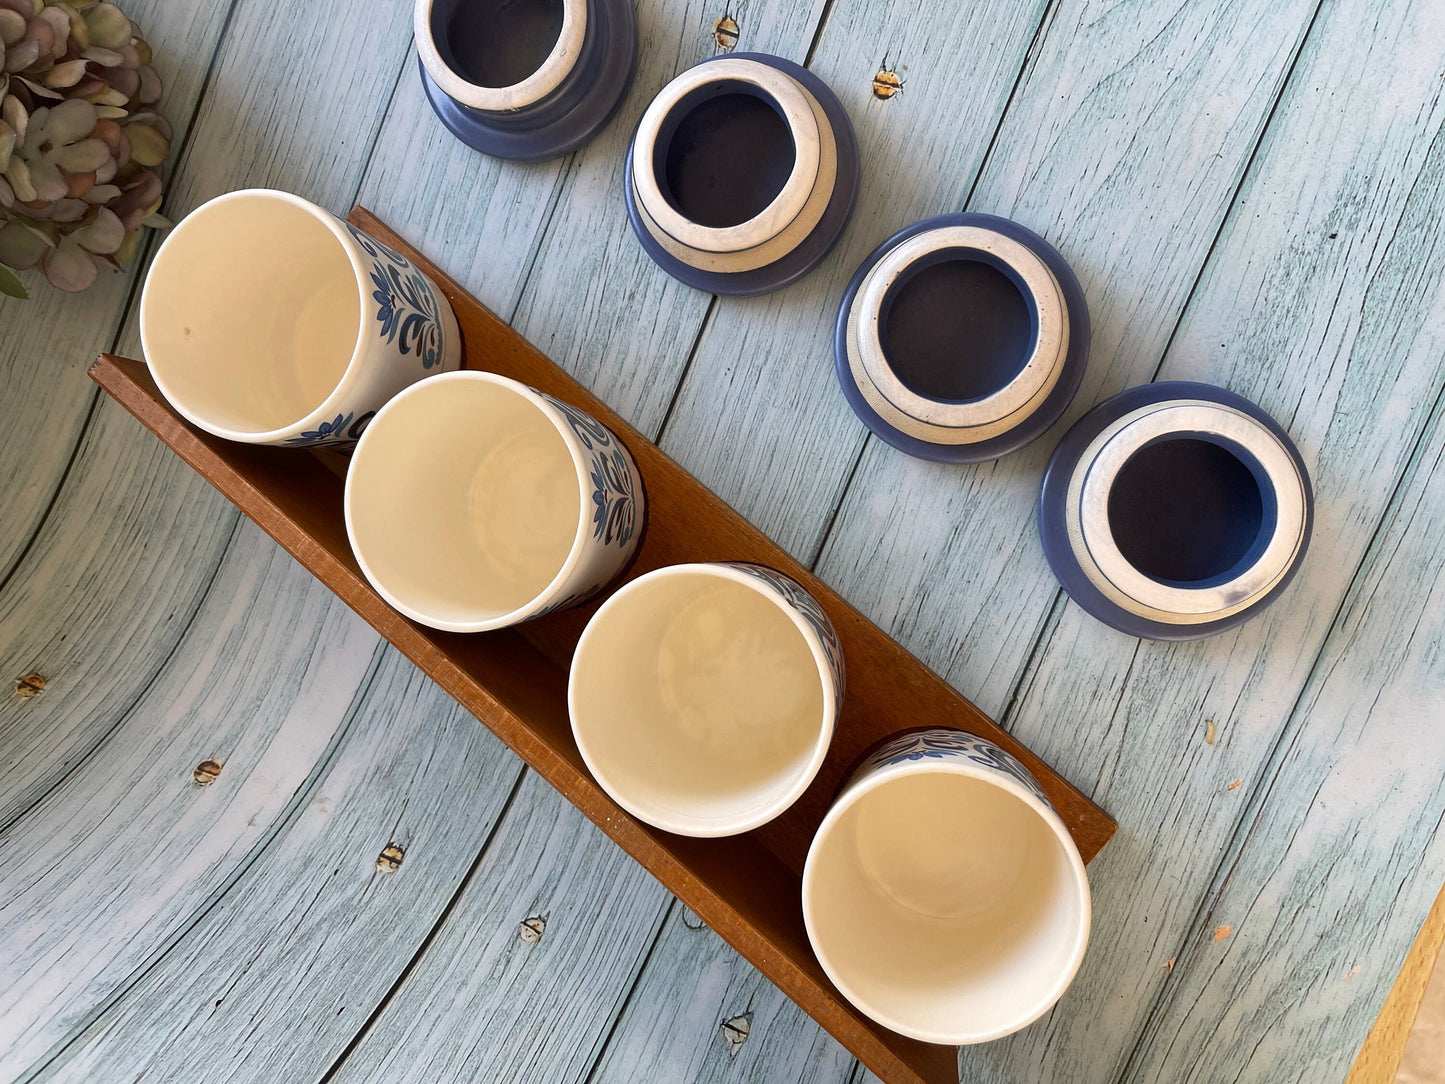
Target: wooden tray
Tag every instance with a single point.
(515, 681)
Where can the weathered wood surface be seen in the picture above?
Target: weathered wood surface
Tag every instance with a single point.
(1191, 160)
(409, 769)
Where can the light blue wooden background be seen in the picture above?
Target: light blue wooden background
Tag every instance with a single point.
(1252, 192)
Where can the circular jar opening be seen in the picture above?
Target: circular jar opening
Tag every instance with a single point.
(250, 314)
(464, 502)
(959, 933)
(496, 43)
(698, 702)
(1190, 512)
(958, 326)
(724, 154)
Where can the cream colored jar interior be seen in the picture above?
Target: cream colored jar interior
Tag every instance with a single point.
(945, 907)
(698, 703)
(464, 502)
(251, 314)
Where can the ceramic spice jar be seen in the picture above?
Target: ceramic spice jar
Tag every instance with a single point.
(943, 894)
(961, 338)
(1175, 510)
(742, 174)
(525, 79)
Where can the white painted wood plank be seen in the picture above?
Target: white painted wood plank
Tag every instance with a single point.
(1340, 863)
(47, 342)
(760, 418)
(1343, 339)
(1122, 147)
(701, 1013)
(485, 1004)
(595, 303)
(101, 873)
(477, 218)
(101, 600)
(262, 121)
(274, 982)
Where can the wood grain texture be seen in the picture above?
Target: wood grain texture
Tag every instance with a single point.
(1383, 1051)
(595, 303)
(486, 1004)
(46, 342)
(113, 863)
(100, 602)
(1341, 339)
(274, 981)
(700, 1013)
(1323, 895)
(760, 419)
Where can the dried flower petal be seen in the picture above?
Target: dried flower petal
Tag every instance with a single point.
(18, 174)
(82, 157)
(7, 194)
(102, 194)
(69, 121)
(106, 58)
(109, 28)
(13, 113)
(68, 210)
(69, 267)
(20, 57)
(12, 26)
(65, 75)
(19, 247)
(147, 146)
(7, 143)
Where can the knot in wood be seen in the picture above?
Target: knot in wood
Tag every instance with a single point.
(886, 83)
(725, 32)
(206, 771)
(30, 685)
(736, 1030)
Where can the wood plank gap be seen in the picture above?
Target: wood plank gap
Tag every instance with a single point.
(431, 935)
(283, 820)
(686, 368)
(554, 200)
(1259, 797)
(83, 754)
(406, 62)
(1204, 264)
(1045, 18)
(631, 989)
(817, 34)
(817, 554)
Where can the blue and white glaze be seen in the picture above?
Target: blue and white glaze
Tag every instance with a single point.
(807, 607)
(407, 307)
(614, 478)
(944, 744)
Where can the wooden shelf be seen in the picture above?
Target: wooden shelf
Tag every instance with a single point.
(514, 681)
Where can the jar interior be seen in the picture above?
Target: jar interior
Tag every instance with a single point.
(724, 154)
(1190, 512)
(496, 43)
(957, 326)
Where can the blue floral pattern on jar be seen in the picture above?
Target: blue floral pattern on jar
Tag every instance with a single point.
(333, 430)
(610, 469)
(944, 743)
(408, 310)
(808, 608)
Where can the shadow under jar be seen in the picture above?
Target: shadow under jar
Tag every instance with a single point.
(525, 79)
(1175, 510)
(961, 338)
(741, 175)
